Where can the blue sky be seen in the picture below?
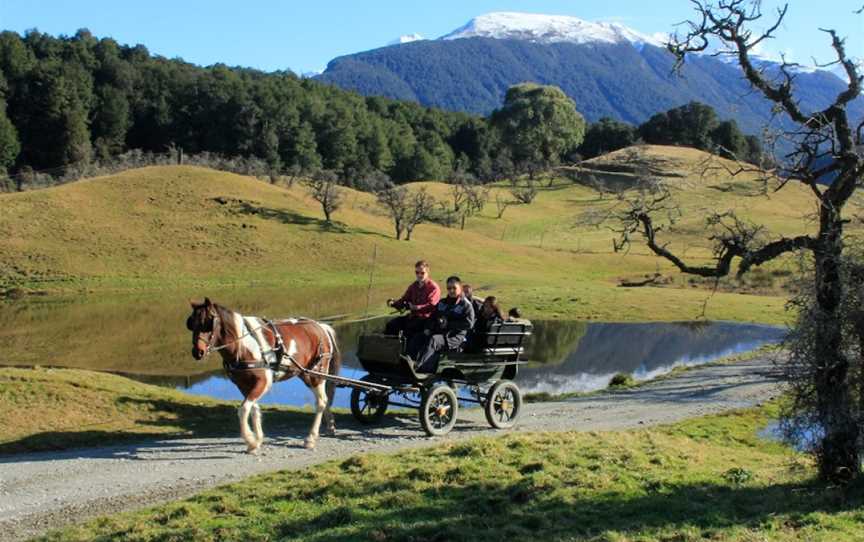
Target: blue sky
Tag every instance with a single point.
(305, 35)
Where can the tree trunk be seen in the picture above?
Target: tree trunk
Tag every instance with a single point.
(839, 457)
(408, 233)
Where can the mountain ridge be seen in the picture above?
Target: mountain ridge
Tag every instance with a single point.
(614, 80)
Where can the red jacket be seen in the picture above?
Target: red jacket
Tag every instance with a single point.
(425, 295)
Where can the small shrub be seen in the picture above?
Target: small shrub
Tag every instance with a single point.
(622, 380)
(737, 476)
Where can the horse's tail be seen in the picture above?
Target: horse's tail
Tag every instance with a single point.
(335, 361)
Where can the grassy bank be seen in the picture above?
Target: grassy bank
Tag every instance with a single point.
(709, 478)
(191, 231)
(55, 409)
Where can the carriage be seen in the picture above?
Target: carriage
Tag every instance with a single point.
(482, 373)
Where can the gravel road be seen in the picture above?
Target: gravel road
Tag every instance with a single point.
(40, 491)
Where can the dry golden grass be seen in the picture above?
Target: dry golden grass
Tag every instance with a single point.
(193, 229)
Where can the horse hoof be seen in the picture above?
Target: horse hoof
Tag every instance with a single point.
(309, 443)
(252, 450)
(330, 431)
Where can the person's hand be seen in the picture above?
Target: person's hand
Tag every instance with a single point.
(412, 306)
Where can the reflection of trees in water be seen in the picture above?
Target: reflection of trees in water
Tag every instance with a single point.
(552, 341)
(173, 381)
(610, 348)
(142, 334)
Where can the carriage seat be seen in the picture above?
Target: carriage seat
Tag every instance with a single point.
(504, 339)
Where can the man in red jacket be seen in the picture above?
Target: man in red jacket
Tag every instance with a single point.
(420, 298)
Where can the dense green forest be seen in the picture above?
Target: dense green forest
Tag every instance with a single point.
(73, 100)
(68, 102)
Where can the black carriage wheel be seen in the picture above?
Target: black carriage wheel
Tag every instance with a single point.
(503, 404)
(368, 406)
(438, 410)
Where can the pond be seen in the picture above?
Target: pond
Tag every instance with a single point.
(145, 338)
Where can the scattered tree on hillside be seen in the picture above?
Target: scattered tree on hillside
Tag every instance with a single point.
(539, 125)
(467, 196)
(501, 204)
(827, 376)
(524, 191)
(324, 188)
(406, 209)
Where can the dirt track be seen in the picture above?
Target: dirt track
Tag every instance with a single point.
(41, 491)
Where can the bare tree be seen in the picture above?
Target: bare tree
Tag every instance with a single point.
(501, 203)
(823, 143)
(420, 207)
(467, 196)
(324, 188)
(524, 192)
(406, 209)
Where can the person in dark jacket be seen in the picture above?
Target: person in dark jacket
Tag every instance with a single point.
(420, 298)
(490, 314)
(447, 329)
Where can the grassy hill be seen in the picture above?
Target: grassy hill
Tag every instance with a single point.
(195, 230)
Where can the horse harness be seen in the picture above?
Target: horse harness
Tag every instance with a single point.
(280, 355)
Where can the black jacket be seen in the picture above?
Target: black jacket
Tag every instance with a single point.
(457, 314)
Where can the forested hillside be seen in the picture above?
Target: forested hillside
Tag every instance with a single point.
(605, 80)
(74, 100)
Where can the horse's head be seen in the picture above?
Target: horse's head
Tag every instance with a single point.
(204, 324)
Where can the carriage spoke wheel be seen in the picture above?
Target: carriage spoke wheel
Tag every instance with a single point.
(368, 406)
(503, 404)
(438, 410)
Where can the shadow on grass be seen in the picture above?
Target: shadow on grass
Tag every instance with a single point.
(170, 423)
(288, 217)
(524, 510)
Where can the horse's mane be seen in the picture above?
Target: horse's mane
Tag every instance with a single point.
(228, 328)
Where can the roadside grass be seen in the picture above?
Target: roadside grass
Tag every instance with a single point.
(710, 478)
(57, 409)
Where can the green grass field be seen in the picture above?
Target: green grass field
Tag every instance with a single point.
(709, 478)
(190, 231)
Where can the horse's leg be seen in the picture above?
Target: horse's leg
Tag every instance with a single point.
(256, 425)
(243, 413)
(320, 404)
(329, 422)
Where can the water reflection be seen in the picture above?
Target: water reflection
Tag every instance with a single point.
(145, 338)
(567, 356)
(145, 335)
(596, 351)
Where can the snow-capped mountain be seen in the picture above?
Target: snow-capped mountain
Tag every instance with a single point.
(538, 28)
(608, 69)
(407, 38)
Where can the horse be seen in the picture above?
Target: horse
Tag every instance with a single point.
(256, 353)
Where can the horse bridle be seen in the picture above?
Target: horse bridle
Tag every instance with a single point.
(208, 346)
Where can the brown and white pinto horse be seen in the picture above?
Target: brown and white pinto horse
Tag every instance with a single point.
(248, 348)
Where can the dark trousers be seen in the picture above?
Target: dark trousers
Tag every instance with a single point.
(426, 350)
(407, 325)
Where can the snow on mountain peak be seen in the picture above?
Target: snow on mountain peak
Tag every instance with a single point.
(539, 28)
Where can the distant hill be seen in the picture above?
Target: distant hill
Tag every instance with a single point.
(613, 79)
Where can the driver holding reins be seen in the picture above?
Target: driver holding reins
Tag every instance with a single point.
(420, 299)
